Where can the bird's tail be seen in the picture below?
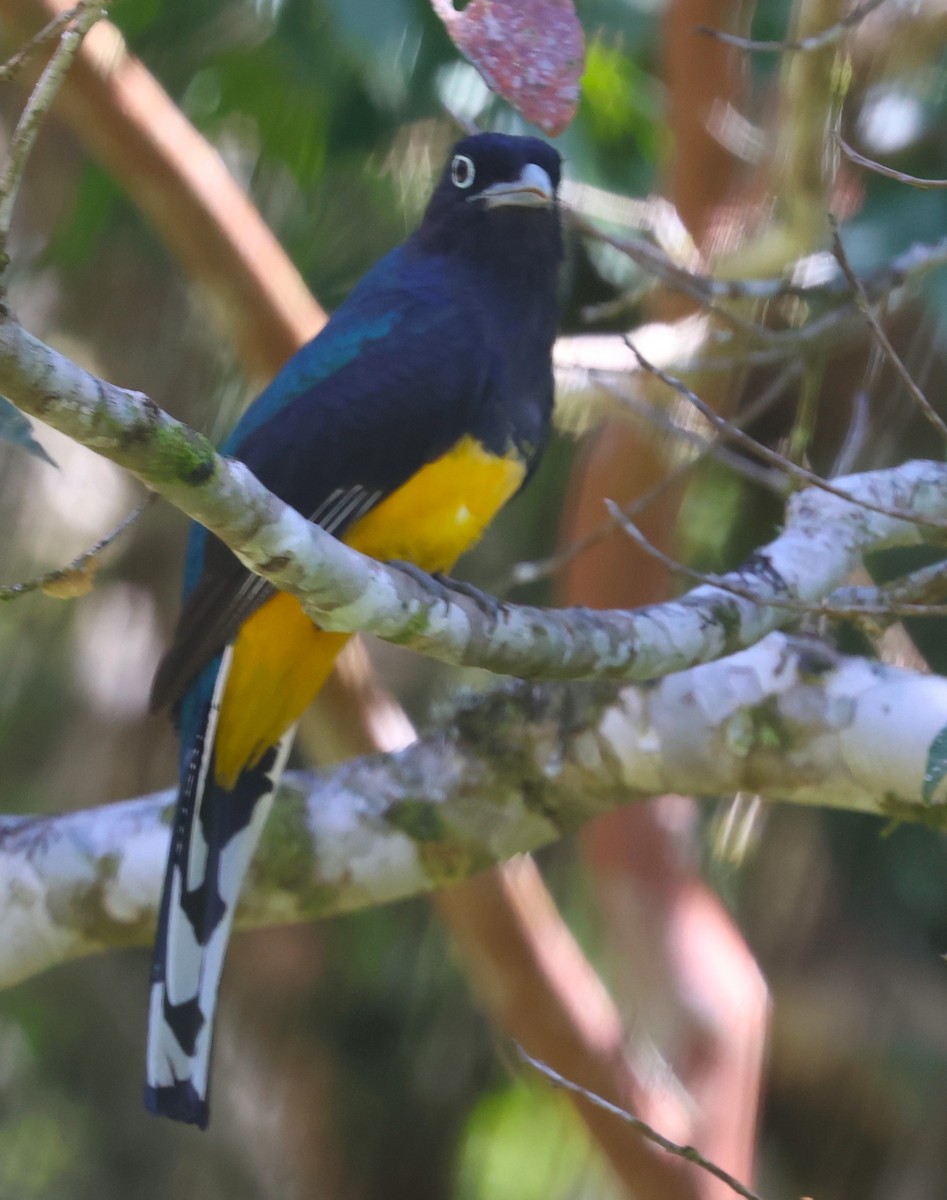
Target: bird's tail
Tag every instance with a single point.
(216, 830)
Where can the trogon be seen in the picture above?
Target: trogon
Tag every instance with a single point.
(402, 428)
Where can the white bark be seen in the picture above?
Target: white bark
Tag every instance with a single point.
(782, 719)
(824, 539)
(518, 768)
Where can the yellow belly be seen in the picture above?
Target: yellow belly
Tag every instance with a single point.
(281, 659)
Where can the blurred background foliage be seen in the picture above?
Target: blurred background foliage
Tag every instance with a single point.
(352, 1061)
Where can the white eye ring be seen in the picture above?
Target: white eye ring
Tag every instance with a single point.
(462, 171)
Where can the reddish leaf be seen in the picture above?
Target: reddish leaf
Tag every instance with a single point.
(530, 52)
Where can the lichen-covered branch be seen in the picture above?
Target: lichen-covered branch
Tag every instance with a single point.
(824, 538)
(517, 768)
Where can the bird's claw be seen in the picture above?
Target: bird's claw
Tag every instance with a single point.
(447, 589)
(489, 605)
(428, 582)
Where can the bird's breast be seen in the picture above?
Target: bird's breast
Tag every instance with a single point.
(442, 510)
(281, 659)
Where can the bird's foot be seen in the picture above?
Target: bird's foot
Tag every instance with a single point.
(488, 604)
(447, 589)
(429, 582)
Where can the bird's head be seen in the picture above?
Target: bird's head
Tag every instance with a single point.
(495, 187)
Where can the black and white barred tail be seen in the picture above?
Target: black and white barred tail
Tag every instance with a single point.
(215, 833)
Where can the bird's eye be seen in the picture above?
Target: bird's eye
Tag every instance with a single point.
(462, 171)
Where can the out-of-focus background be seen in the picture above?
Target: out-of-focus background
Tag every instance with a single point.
(352, 1059)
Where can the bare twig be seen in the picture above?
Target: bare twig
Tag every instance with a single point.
(731, 431)
(689, 1153)
(700, 287)
(817, 41)
(181, 184)
(42, 96)
(908, 266)
(766, 477)
(555, 1005)
(894, 600)
(713, 293)
(879, 333)
(678, 568)
(545, 568)
(888, 172)
(922, 593)
(61, 577)
(704, 290)
(533, 572)
(11, 67)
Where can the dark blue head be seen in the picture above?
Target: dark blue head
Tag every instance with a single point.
(498, 193)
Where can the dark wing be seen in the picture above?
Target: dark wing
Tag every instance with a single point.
(226, 595)
(338, 445)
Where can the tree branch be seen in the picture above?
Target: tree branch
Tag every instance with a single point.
(179, 181)
(517, 769)
(813, 41)
(42, 96)
(688, 1153)
(824, 538)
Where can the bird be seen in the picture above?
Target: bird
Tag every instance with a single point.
(402, 428)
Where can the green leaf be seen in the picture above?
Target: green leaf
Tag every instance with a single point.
(16, 428)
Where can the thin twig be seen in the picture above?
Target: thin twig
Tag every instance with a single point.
(700, 287)
(10, 69)
(888, 172)
(80, 564)
(879, 333)
(688, 1153)
(842, 604)
(41, 98)
(910, 265)
(707, 288)
(922, 593)
(733, 433)
(545, 568)
(533, 572)
(766, 477)
(816, 41)
(831, 330)
(713, 294)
